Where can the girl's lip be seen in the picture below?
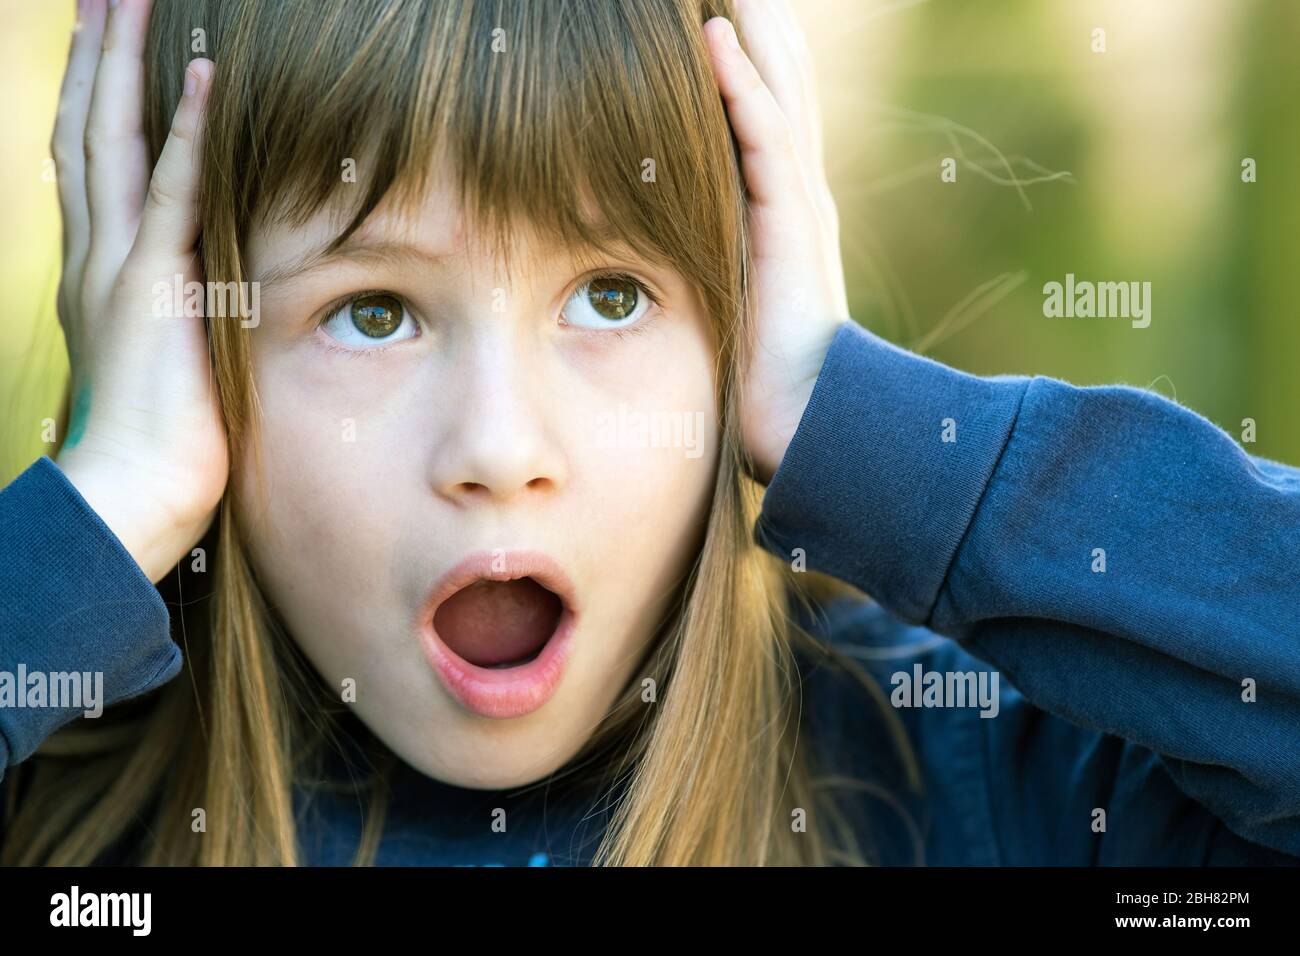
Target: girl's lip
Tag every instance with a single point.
(501, 692)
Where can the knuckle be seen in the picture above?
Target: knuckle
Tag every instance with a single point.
(76, 248)
(95, 143)
(66, 153)
(121, 291)
(753, 81)
(161, 192)
(80, 300)
(780, 132)
(181, 131)
(89, 269)
(94, 278)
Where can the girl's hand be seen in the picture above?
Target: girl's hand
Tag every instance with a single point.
(799, 299)
(145, 444)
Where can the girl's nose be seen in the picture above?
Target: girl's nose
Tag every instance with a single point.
(501, 438)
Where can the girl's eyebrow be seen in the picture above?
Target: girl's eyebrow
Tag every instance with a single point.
(389, 252)
(360, 251)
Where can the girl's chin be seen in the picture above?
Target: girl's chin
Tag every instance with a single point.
(474, 753)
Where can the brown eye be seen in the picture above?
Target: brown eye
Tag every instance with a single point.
(371, 320)
(609, 302)
(614, 297)
(376, 316)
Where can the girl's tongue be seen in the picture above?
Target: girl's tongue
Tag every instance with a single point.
(498, 623)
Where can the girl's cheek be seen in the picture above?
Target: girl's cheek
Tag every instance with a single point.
(649, 455)
(316, 447)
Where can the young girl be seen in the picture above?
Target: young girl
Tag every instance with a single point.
(518, 308)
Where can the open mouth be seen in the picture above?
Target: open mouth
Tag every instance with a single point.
(499, 624)
(498, 630)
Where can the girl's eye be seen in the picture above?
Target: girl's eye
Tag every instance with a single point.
(607, 302)
(365, 321)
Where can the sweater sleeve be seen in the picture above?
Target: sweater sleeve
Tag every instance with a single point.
(1119, 558)
(81, 626)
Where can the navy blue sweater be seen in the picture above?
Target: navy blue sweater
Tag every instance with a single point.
(1087, 622)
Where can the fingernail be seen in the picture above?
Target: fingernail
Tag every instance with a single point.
(191, 82)
(733, 41)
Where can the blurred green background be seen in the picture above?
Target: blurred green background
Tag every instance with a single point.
(1117, 165)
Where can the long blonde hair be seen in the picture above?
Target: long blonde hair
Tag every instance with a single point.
(540, 107)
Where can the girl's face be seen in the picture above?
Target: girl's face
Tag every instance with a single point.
(551, 421)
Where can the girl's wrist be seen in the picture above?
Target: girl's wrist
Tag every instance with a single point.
(774, 422)
(155, 538)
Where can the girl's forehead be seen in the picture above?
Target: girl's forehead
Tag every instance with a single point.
(433, 224)
(435, 232)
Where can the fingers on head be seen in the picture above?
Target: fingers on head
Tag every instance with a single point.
(113, 142)
(762, 130)
(78, 82)
(169, 222)
(754, 112)
(67, 139)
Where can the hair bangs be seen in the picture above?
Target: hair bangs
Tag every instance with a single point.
(586, 123)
